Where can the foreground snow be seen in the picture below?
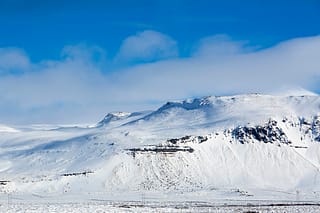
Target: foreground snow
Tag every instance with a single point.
(255, 147)
(107, 206)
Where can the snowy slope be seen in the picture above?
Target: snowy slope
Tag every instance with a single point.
(245, 145)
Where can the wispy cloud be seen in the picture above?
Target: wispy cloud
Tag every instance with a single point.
(76, 88)
(13, 60)
(147, 46)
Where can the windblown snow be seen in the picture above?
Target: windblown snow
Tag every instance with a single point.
(4, 128)
(247, 145)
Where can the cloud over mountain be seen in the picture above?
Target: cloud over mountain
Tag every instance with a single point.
(83, 85)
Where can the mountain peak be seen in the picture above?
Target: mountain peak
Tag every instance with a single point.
(114, 116)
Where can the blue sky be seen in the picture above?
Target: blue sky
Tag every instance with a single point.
(43, 28)
(73, 61)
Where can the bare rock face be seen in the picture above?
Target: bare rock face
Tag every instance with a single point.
(268, 133)
(316, 128)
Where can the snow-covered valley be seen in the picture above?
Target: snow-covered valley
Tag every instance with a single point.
(244, 147)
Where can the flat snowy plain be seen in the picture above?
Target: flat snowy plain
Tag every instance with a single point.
(195, 206)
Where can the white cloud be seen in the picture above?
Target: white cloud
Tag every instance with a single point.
(147, 46)
(218, 46)
(76, 89)
(91, 53)
(13, 59)
(291, 63)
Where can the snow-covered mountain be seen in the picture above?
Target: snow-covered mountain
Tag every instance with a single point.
(245, 145)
